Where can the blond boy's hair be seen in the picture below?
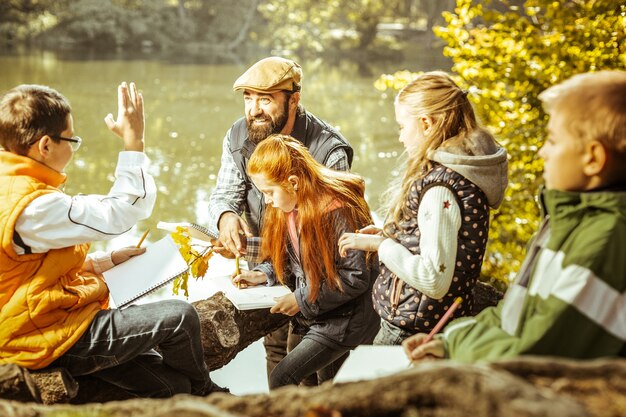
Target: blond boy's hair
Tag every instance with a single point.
(593, 105)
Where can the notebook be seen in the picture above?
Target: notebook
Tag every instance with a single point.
(195, 230)
(250, 298)
(160, 264)
(371, 362)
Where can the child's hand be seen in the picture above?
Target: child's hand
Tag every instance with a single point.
(286, 304)
(371, 230)
(248, 278)
(130, 120)
(360, 241)
(122, 255)
(417, 350)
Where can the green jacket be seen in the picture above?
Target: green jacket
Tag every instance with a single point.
(569, 297)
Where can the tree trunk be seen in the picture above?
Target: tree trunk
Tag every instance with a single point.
(245, 28)
(524, 387)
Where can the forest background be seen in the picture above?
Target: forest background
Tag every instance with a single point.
(504, 52)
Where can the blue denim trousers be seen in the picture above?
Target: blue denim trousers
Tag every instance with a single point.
(390, 334)
(307, 358)
(119, 347)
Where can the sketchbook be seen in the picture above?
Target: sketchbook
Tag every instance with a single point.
(250, 298)
(370, 362)
(138, 276)
(195, 230)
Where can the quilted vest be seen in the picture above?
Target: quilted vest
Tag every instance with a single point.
(46, 303)
(405, 306)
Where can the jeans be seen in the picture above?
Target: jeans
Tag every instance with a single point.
(307, 358)
(390, 334)
(119, 348)
(275, 344)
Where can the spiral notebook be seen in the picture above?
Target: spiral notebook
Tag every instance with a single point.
(195, 230)
(138, 276)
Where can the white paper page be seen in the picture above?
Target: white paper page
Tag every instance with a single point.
(370, 362)
(250, 298)
(161, 263)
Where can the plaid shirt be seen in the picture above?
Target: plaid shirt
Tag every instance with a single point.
(230, 192)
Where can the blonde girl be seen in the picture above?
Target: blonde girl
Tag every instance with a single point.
(308, 208)
(432, 245)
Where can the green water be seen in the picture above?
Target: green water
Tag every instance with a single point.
(190, 106)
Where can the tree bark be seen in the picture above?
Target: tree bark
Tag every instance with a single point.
(524, 387)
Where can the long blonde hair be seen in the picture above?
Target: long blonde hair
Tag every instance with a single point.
(453, 122)
(277, 158)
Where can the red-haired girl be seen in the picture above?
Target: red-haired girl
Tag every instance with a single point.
(308, 208)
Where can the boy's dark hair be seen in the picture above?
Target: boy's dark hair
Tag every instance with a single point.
(28, 112)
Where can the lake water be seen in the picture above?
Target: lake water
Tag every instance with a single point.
(189, 107)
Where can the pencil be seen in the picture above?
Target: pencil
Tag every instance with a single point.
(143, 237)
(444, 319)
(237, 269)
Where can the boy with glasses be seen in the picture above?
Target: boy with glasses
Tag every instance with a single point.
(53, 299)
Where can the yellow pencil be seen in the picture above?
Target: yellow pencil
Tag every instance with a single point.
(237, 269)
(143, 237)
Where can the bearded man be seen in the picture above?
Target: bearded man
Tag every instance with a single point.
(271, 92)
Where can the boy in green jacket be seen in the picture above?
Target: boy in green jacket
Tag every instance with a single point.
(568, 298)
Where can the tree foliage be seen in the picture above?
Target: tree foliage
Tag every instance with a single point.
(309, 27)
(505, 54)
(164, 24)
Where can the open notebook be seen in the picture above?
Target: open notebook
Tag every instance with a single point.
(371, 362)
(250, 298)
(160, 264)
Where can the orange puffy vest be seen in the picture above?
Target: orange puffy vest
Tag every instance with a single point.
(46, 302)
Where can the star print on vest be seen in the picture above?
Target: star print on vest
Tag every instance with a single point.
(446, 204)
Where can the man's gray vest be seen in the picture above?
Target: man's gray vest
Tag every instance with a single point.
(320, 138)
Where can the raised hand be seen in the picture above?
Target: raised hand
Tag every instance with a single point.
(130, 123)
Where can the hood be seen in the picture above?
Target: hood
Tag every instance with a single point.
(489, 172)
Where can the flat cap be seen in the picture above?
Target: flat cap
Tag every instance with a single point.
(270, 75)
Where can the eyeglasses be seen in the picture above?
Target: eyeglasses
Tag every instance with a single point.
(75, 141)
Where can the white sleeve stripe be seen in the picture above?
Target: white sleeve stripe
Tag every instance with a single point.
(581, 288)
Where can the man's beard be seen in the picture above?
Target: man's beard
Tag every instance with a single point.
(257, 133)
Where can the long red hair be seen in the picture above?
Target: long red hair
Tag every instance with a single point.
(277, 158)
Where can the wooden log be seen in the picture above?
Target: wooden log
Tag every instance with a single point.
(431, 389)
(17, 384)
